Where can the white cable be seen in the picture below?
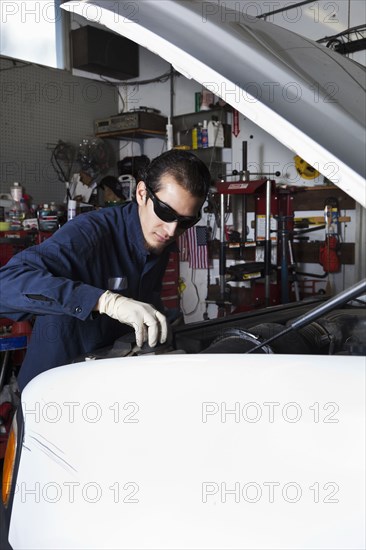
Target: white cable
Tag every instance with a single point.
(197, 294)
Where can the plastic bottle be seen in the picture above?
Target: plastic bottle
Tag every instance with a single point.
(71, 209)
(204, 135)
(215, 133)
(16, 191)
(16, 213)
(169, 135)
(47, 219)
(195, 138)
(199, 135)
(15, 216)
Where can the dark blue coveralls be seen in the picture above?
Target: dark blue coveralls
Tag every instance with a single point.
(61, 280)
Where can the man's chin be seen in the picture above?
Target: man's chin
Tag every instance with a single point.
(156, 248)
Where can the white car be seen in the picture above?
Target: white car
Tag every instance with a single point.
(202, 445)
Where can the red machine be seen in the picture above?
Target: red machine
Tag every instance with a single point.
(273, 210)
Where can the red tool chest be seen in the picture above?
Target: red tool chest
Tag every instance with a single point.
(169, 291)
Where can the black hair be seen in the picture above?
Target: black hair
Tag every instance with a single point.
(186, 168)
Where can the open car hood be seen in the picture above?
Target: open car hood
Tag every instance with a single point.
(308, 97)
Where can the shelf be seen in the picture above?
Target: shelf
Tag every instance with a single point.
(304, 252)
(308, 252)
(313, 198)
(137, 133)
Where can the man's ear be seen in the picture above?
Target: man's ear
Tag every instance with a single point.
(141, 193)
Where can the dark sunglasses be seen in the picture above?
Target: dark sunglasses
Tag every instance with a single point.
(168, 215)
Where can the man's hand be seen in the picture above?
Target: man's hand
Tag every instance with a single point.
(148, 323)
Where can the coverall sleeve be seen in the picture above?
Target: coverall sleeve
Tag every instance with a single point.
(47, 279)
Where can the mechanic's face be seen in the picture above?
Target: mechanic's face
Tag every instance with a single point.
(158, 232)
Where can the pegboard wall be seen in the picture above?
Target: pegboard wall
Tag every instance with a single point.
(39, 107)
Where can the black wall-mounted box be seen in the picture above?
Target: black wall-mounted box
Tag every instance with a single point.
(105, 53)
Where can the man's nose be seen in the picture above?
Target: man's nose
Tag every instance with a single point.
(171, 228)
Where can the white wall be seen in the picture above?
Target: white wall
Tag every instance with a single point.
(315, 20)
(156, 95)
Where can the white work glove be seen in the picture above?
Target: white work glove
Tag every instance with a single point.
(148, 323)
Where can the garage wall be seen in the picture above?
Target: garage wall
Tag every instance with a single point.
(156, 95)
(38, 107)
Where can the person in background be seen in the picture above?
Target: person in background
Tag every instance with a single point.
(101, 273)
(112, 190)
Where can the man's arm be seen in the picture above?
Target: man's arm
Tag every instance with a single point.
(34, 282)
(40, 280)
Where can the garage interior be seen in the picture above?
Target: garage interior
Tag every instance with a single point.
(95, 114)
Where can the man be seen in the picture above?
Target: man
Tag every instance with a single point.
(72, 281)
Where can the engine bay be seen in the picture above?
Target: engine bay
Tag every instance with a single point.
(336, 326)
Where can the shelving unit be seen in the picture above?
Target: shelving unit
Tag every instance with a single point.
(211, 156)
(187, 121)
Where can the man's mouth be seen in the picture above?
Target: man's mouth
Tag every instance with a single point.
(161, 239)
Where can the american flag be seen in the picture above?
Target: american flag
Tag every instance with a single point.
(183, 248)
(193, 247)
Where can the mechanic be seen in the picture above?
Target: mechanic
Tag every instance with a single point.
(69, 281)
